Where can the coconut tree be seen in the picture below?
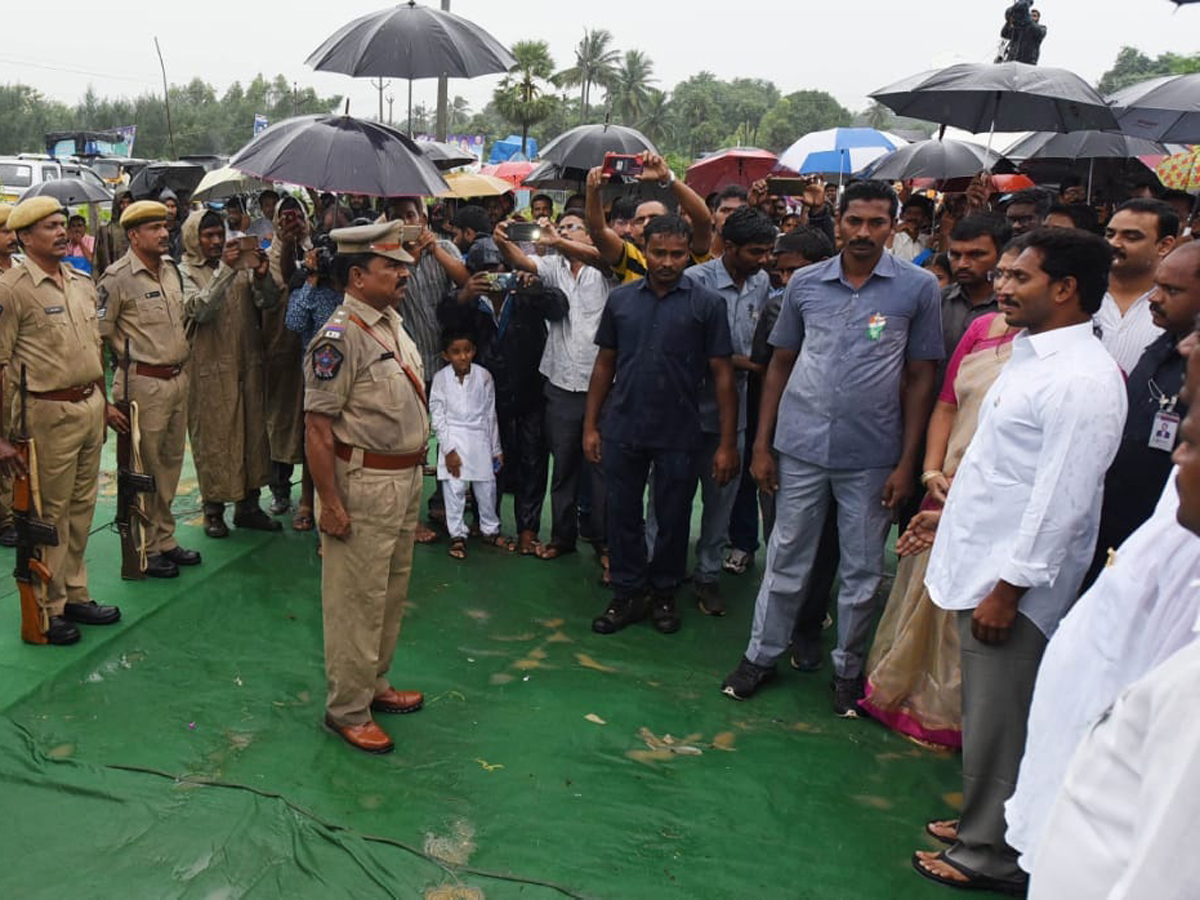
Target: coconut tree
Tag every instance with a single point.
(630, 91)
(595, 64)
(524, 96)
(656, 116)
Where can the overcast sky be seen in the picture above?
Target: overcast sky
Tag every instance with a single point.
(797, 45)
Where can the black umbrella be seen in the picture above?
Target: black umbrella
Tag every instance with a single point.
(179, 177)
(550, 176)
(69, 191)
(1012, 96)
(585, 145)
(445, 156)
(340, 154)
(1048, 156)
(1163, 109)
(939, 160)
(411, 41)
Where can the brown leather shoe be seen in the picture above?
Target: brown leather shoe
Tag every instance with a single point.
(394, 701)
(368, 736)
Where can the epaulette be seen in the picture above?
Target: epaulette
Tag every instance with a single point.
(335, 328)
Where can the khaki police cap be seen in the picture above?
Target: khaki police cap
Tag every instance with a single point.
(31, 211)
(143, 211)
(5, 209)
(382, 239)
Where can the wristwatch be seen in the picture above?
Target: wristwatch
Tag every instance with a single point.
(670, 179)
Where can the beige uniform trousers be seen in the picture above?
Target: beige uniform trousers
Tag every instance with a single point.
(68, 438)
(364, 582)
(162, 416)
(6, 488)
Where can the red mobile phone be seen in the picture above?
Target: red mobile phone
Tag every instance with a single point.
(622, 165)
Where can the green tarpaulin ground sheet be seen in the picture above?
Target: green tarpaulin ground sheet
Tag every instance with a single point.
(180, 754)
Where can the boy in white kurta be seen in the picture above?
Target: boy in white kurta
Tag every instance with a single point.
(462, 407)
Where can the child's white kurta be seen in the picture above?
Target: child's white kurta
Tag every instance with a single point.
(464, 419)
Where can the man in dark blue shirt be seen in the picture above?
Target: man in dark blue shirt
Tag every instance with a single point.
(658, 338)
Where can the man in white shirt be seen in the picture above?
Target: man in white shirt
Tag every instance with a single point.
(1018, 528)
(1141, 610)
(574, 268)
(1141, 232)
(1123, 825)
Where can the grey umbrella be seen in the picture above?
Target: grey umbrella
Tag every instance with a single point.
(179, 177)
(550, 176)
(340, 154)
(1013, 96)
(1109, 155)
(585, 145)
(445, 156)
(411, 41)
(1162, 109)
(69, 191)
(940, 160)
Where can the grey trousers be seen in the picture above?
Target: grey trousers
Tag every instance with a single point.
(997, 689)
(863, 524)
(717, 507)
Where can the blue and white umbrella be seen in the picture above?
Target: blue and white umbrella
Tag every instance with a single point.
(838, 152)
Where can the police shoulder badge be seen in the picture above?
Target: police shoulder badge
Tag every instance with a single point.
(326, 362)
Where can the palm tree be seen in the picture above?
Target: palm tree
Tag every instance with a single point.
(656, 116)
(629, 93)
(595, 63)
(878, 116)
(523, 96)
(458, 111)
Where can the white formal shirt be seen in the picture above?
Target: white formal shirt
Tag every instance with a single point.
(1140, 611)
(1124, 825)
(463, 415)
(1127, 336)
(571, 342)
(1025, 504)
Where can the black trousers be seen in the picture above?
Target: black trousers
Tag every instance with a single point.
(564, 438)
(525, 463)
(626, 469)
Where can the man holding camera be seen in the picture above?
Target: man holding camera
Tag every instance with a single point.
(225, 284)
(1024, 32)
(366, 427)
(140, 309)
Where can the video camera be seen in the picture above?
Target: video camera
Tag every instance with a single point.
(325, 250)
(1018, 15)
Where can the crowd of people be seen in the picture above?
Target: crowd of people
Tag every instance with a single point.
(1004, 379)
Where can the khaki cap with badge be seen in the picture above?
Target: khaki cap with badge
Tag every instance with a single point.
(31, 211)
(382, 239)
(143, 211)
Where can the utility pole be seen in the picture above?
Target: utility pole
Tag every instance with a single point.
(295, 99)
(379, 84)
(391, 98)
(166, 98)
(442, 94)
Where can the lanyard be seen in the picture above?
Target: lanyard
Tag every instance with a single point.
(395, 354)
(1165, 403)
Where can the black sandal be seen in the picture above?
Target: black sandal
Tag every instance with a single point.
(458, 549)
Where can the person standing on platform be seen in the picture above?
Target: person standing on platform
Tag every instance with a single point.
(48, 329)
(366, 428)
(226, 415)
(140, 308)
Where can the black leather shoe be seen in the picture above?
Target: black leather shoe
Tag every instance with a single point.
(8, 536)
(280, 503)
(61, 632)
(91, 613)
(621, 613)
(158, 566)
(214, 520)
(256, 520)
(182, 557)
(664, 615)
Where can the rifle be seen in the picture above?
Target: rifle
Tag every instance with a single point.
(129, 485)
(32, 534)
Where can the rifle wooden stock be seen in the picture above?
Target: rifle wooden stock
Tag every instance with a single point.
(129, 519)
(31, 573)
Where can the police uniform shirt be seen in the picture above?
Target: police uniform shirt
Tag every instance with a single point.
(354, 373)
(52, 331)
(148, 310)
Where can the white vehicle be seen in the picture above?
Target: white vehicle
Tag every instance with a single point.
(19, 173)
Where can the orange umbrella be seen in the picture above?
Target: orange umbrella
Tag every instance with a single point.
(514, 172)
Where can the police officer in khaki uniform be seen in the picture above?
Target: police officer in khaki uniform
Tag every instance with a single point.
(141, 302)
(366, 429)
(8, 249)
(48, 326)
